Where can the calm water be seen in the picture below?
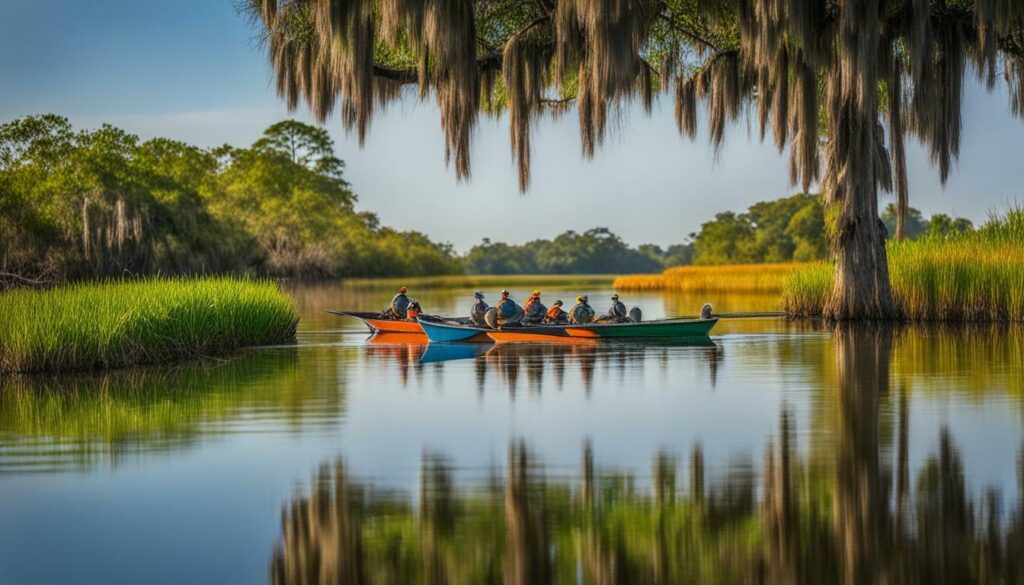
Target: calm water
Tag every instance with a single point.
(782, 452)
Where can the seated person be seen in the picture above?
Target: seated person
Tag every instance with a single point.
(399, 305)
(535, 310)
(581, 313)
(476, 314)
(616, 314)
(413, 311)
(618, 308)
(509, 313)
(556, 315)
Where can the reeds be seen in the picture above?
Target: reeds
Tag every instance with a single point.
(140, 322)
(975, 276)
(733, 278)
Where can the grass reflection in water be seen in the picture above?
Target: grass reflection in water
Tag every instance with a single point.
(56, 423)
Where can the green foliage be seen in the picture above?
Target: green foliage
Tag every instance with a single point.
(940, 224)
(596, 251)
(127, 323)
(101, 203)
(784, 230)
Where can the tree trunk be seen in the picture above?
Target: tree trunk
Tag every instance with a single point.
(855, 165)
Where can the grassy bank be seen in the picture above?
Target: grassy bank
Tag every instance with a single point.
(145, 322)
(975, 276)
(733, 278)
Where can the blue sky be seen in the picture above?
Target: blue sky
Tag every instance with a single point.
(190, 70)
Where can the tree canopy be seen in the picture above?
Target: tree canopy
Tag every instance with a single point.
(102, 202)
(527, 58)
(813, 73)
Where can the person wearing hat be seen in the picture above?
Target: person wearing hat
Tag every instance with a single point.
(556, 315)
(581, 313)
(399, 305)
(479, 311)
(617, 312)
(509, 313)
(535, 310)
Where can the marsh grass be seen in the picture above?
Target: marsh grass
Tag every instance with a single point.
(732, 278)
(975, 276)
(139, 322)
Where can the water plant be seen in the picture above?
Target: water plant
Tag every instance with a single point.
(124, 323)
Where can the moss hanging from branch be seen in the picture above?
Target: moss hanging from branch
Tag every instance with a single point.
(352, 56)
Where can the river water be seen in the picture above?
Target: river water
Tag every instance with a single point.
(783, 451)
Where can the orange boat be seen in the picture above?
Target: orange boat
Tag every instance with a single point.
(378, 325)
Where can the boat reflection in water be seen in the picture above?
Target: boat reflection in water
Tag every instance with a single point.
(510, 362)
(839, 513)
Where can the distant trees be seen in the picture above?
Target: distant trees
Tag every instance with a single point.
(101, 202)
(793, 229)
(787, 229)
(596, 251)
(915, 226)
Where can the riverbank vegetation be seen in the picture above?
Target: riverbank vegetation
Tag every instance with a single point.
(596, 251)
(733, 278)
(960, 276)
(77, 204)
(129, 323)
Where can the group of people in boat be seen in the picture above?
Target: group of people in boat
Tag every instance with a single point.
(532, 312)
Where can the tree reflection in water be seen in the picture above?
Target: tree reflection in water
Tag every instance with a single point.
(826, 517)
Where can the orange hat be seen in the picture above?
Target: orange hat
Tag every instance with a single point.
(403, 289)
(536, 293)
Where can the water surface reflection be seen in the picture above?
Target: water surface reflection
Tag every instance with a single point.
(782, 452)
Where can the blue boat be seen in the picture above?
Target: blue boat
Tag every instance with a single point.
(440, 332)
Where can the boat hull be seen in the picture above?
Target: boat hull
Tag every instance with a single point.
(447, 333)
(377, 325)
(666, 330)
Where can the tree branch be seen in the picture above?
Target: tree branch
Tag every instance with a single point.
(669, 18)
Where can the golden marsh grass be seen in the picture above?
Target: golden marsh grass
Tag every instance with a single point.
(732, 278)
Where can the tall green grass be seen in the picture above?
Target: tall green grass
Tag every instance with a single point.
(141, 322)
(974, 276)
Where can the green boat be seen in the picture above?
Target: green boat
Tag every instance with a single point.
(661, 329)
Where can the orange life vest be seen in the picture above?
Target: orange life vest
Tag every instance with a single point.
(412, 313)
(554, 312)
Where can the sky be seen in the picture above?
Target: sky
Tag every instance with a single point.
(191, 70)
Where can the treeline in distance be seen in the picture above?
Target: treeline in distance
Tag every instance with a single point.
(93, 203)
